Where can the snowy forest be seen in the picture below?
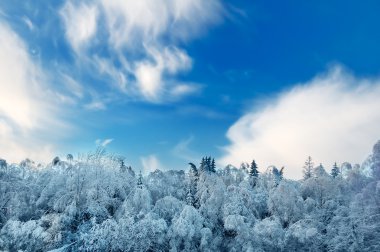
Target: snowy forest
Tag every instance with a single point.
(95, 202)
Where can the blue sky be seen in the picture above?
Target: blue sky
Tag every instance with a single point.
(170, 81)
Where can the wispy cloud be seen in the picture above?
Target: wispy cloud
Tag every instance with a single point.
(142, 42)
(130, 22)
(95, 105)
(181, 90)
(80, 22)
(334, 117)
(103, 142)
(183, 150)
(28, 23)
(150, 73)
(29, 111)
(73, 86)
(150, 164)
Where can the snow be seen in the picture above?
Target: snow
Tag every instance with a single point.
(96, 204)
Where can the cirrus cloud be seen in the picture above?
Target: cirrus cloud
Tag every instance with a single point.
(333, 117)
(141, 42)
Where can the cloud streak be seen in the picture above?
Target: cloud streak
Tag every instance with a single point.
(142, 42)
(103, 143)
(80, 22)
(334, 117)
(182, 150)
(29, 113)
(150, 164)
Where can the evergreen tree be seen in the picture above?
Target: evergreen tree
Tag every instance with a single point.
(3, 165)
(123, 168)
(69, 158)
(192, 186)
(55, 161)
(278, 175)
(190, 200)
(308, 168)
(244, 167)
(131, 171)
(202, 167)
(319, 171)
(335, 171)
(282, 173)
(253, 171)
(193, 170)
(207, 164)
(139, 181)
(213, 166)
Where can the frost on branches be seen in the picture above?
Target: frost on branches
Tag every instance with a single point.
(97, 203)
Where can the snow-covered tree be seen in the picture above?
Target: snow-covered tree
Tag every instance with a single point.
(308, 168)
(335, 171)
(69, 157)
(253, 170)
(185, 233)
(3, 166)
(96, 203)
(192, 182)
(139, 181)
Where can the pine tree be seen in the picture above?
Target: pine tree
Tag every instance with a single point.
(208, 164)
(139, 181)
(193, 170)
(131, 171)
(56, 161)
(193, 178)
(190, 197)
(123, 168)
(253, 171)
(308, 168)
(69, 158)
(335, 171)
(282, 173)
(278, 175)
(202, 167)
(213, 166)
(3, 165)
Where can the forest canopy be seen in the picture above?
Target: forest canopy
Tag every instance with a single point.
(96, 202)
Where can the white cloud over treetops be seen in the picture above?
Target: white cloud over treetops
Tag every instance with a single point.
(29, 113)
(333, 117)
(144, 37)
(103, 142)
(150, 164)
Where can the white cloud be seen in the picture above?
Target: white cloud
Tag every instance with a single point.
(130, 22)
(95, 105)
(80, 22)
(148, 78)
(117, 76)
(13, 81)
(150, 164)
(28, 23)
(183, 151)
(334, 117)
(29, 115)
(143, 37)
(73, 86)
(103, 143)
(150, 74)
(182, 89)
